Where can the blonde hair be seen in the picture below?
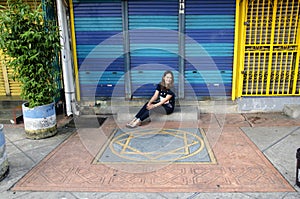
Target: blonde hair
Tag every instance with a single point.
(162, 83)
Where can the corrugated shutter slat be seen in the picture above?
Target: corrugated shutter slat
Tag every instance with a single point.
(153, 49)
(209, 67)
(101, 65)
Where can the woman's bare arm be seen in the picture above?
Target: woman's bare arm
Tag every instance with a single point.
(163, 101)
(154, 97)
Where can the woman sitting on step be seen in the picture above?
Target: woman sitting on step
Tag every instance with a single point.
(162, 101)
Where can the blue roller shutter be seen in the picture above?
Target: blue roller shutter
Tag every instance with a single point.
(100, 54)
(153, 43)
(208, 66)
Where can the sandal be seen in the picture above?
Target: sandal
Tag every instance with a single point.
(136, 123)
(131, 122)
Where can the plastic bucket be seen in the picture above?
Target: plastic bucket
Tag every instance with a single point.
(40, 121)
(3, 156)
(298, 168)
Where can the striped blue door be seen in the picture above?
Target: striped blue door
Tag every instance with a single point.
(153, 44)
(98, 29)
(209, 29)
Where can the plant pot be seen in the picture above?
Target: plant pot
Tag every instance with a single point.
(3, 156)
(40, 121)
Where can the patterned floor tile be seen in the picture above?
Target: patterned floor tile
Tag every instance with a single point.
(240, 167)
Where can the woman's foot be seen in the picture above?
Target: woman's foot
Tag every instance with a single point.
(131, 122)
(136, 123)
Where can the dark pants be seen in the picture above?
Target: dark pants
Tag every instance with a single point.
(145, 113)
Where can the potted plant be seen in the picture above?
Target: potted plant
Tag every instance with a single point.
(32, 42)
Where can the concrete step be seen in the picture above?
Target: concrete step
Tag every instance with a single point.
(183, 113)
(292, 110)
(111, 107)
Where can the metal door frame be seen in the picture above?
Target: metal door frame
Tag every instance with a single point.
(270, 78)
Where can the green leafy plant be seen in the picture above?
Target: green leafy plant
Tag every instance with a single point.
(33, 43)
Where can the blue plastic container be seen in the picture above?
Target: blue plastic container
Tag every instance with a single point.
(3, 156)
(40, 121)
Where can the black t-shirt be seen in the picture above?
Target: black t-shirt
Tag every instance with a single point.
(163, 92)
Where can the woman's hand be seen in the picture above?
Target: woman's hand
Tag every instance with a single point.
(150, 106)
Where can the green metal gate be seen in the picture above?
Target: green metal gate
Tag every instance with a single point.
(267, 53)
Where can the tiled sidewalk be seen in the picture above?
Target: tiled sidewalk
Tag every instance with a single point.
(275, 137)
